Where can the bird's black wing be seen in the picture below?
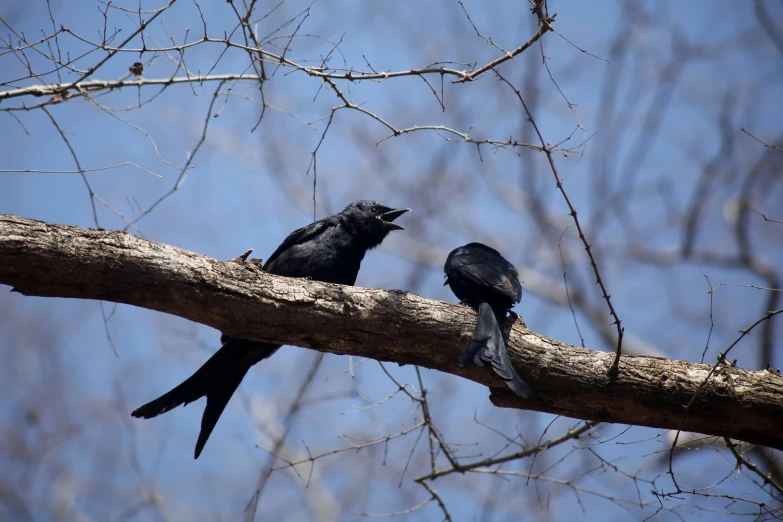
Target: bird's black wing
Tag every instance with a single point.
(486, 268)
(302, 235)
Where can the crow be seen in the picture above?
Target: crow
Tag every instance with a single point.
(330, 250)
(484, 280)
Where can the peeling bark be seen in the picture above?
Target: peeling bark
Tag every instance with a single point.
(41, 259)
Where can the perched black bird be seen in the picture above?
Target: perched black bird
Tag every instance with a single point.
(484, 280)
(330, 250)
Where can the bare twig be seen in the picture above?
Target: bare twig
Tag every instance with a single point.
(599, 281)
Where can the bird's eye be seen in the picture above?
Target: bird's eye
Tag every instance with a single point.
(374, 210)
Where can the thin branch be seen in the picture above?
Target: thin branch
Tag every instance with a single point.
(742, 460)
(721, 363)
(762, 142)
(613, 369)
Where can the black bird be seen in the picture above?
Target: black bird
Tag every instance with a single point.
(330, 250)
(484, 280)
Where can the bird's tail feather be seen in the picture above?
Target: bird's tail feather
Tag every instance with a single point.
(217, 399)
(489, 349)
(217, 379)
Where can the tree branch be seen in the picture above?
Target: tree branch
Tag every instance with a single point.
(41, 259)
(68, 90)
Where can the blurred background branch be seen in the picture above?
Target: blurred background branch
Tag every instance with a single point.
(663, 119)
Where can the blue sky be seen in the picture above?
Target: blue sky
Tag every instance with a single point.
(671, 81)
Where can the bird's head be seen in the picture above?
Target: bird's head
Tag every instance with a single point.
(371, 221)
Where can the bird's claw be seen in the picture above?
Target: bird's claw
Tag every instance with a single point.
(464, 360)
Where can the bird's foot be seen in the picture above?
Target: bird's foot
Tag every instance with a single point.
(465, 360)
(516, 317)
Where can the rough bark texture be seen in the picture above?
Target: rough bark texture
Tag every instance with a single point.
(48, 260)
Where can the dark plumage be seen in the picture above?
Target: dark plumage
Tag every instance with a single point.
(484, 280)
(330, 250)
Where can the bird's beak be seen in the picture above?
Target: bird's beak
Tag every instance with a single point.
(390, 216)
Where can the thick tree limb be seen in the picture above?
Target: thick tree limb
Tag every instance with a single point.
(48, 260)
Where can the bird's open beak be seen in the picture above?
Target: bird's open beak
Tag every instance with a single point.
(390, 216)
